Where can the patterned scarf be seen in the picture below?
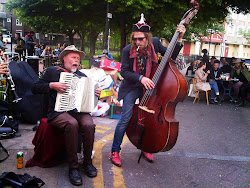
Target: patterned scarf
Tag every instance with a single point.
(149, 54)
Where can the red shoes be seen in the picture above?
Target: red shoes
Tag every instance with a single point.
(148, 156)
(115, 159)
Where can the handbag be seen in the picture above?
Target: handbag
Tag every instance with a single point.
(191, 92)
(8, 126)
(19, 180)
(9, 121)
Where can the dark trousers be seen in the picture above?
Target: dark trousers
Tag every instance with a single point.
(73, 123)
(244, 89)
(30, 52)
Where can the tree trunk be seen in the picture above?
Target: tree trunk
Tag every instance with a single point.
(93, 36)
(123, 33)
(82, 40)
(71, 38)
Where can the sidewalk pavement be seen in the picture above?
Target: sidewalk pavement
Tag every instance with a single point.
(212, 150)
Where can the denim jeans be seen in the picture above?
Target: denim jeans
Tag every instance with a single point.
(127, 112)
(214, 88)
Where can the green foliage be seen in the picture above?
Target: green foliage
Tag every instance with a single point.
(87, 17)
(246, 35)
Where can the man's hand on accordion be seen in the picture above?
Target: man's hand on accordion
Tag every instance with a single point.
(58, 86)
(98, 92)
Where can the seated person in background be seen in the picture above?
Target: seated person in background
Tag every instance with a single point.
(226, 68)
(39, 50)
(47, 52)
(54, 54)
(215, 72)
(193, 67)
(241, 88)
(201, 84)
(70, 122)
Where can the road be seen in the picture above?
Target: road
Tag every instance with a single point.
(212, 150)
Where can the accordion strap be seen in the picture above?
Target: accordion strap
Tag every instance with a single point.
(6, 151)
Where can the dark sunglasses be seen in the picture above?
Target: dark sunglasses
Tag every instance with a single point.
(140, 39)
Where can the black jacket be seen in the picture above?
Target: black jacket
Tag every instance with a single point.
(52, 74)
(131, 79)
(213, 74)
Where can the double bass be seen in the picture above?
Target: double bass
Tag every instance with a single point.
(153, 127)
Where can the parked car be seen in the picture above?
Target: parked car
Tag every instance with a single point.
(6, 38)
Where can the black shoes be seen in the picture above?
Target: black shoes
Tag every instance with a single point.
(216, 100)
(90, 170)
(242, 104)
(75, 177)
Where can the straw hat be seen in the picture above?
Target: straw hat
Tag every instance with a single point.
(237, 60)
(70, 49)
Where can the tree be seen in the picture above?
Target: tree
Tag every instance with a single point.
(69, 17)
(87, 17)
(246, 35)
(163, 16)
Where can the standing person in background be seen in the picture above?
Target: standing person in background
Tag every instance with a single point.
(30, 43)
(58, 49)
(20, 46)
(2, 44)
(205, 56)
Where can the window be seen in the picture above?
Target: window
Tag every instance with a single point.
(8, 20)
(20, 32)
(37, 35)
(239, 31)
(230, 29)
(18, 23)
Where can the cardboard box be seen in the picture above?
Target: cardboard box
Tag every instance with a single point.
(112, 73)
(106, 93)
(109, 64)
(115, 109)
(106, 99)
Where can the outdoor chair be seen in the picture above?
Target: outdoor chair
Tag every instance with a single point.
(199, 91)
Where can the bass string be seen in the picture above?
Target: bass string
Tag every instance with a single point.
(160, 69)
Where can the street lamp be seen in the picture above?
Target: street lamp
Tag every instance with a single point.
(108, 16)
(11, 32)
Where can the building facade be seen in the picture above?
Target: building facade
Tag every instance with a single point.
(229, 44)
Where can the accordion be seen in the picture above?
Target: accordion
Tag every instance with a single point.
(79, 95)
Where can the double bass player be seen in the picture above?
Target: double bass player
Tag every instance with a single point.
(138, 58)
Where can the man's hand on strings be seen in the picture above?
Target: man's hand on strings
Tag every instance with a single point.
(98, 92)
(58, 86)
(148, 84)
(181, 29)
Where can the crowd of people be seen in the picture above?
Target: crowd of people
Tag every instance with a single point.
(207, 73)
(28, 47)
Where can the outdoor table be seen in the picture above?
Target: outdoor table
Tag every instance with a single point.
(227, 88)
